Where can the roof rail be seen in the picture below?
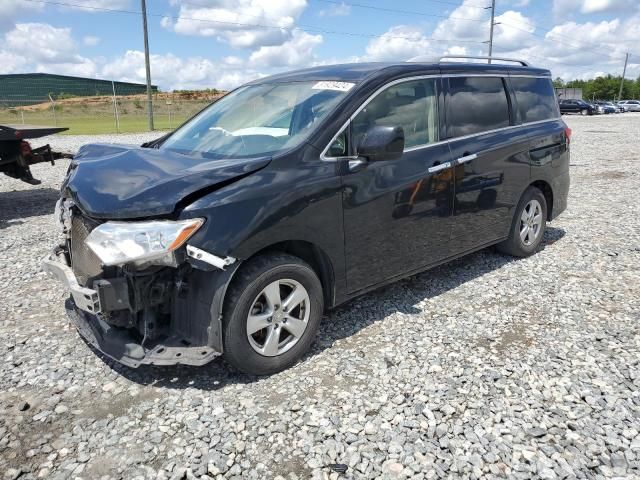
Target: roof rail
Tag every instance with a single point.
(502, 59)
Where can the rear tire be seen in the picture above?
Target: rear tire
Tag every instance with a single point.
(528, 225)
(271, 314)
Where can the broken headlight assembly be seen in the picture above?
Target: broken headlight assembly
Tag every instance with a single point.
(147, 242)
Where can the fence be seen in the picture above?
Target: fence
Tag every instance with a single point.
(116, 114)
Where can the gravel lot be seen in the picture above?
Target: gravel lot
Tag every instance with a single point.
(486, 367)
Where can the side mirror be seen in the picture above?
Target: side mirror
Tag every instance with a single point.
(382, 143)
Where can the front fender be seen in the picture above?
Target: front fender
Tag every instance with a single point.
(282, 202)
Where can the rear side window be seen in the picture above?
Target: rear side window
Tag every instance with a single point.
(535, 98)
(476, 104)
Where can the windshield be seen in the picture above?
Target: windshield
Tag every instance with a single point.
(258, 120)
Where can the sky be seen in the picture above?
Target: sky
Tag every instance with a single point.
(225, 43)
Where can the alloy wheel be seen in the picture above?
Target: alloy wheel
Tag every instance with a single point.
(278, 317)
(531, 222)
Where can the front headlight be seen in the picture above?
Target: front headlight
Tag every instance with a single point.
(117, 243)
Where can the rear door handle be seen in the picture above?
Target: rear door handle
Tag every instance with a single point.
(440, 167)
(467, 158)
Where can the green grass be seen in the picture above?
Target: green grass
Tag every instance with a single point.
(96, 117)
(81, 125)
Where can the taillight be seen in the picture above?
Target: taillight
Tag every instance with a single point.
(567, 134)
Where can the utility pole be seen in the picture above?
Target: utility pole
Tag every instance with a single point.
(624, 72)
(493, 16)
(147, 65)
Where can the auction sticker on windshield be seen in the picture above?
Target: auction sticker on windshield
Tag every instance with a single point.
(339, 86)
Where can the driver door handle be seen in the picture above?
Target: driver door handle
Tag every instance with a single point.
(467, 158)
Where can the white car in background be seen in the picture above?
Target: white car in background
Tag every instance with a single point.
(630, 105)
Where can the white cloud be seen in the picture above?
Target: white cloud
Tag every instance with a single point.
(570, 49)
(10, 10)
(336, 10)
(399, 43)
(465, 25)
(91, 41)
(581, 50)
(563, 8)
(296, 51)
(82, 68)
(171, 72)
(466, 22)
(456, 50)
(241, 23)
(43, 48)
(41, 42)
(599, 6)
(11, 63)
(518, 37)
(98, 4)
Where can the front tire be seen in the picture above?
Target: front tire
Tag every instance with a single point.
(271, 314)
(584, 112)
(528, 225)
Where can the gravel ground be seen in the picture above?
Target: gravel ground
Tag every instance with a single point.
(485, 367)
(71, 143)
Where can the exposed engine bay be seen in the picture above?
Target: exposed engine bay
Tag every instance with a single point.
(151, 312)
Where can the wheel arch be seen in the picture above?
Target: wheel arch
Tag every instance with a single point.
(312, 254)
(547, 191)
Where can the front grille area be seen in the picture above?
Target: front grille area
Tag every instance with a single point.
(85, 263)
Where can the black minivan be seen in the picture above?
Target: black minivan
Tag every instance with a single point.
(297, 192)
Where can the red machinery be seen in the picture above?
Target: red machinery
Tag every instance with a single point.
(16, 154)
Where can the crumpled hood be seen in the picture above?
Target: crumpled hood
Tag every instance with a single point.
(123, 181)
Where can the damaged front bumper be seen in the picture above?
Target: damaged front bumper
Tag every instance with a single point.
(85, 298)
(117, 344)
(191, 336)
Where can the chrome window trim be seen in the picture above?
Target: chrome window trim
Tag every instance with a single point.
(506, 75)
(529, 76)
(325, 158)
(471, 135)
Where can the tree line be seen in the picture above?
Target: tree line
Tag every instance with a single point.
(603, 88)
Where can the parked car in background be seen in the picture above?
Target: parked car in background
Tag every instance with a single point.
(621, 106)
(597, 109)
(233, 234)
(577, 106)
(631, 105)
(616, 108)
(606, 107)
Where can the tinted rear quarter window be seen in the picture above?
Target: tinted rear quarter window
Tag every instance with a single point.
(535, 98)
(476, 104)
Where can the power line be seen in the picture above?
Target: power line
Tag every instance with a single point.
(357, 5)
(413, 12)
(603, 52)
(313, 28)
(307, 28)
(430, 1)
(406, 12)
(363, 6)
